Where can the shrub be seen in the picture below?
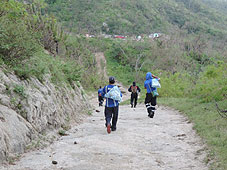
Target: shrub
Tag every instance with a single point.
(41, 64)
(16, 41)
(211, 84)
(175, 85)
(19, 90)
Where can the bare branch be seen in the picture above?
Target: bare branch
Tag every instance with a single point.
(222, 113)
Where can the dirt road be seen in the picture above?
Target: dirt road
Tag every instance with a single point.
(166, 142)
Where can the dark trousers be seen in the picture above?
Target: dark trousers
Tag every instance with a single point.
(100, 100)
(150, 102)
(111, 113)
(134, 97)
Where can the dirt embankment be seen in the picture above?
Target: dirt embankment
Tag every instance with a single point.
(30, 111)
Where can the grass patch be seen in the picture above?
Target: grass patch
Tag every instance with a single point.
(126, 102)
(19, 89)
(208, 124)
(60, 69)
(89, 112)
(62, 132)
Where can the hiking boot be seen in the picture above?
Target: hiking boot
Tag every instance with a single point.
(108, 128)
(113, 128)
(151, 114)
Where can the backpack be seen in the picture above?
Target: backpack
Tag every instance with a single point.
(114, 94)
(155, 83)
(134, 89)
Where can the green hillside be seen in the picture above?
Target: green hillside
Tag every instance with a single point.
(220, 5)
(138, 17)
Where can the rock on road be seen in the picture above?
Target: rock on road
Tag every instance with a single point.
(166, 142)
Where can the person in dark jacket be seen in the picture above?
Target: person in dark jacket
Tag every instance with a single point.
(111, 107)
(100, 98)
(150, 100)
(134, 94)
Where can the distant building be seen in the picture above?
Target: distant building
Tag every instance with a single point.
(107, 36)
(119, 36)
(155, 35)
(139, 38)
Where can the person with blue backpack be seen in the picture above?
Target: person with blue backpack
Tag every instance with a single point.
(113, 96)
(100, 98)
(151, 95)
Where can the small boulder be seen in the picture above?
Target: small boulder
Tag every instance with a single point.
(54, 162)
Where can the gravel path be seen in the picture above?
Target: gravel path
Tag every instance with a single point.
(166, 142)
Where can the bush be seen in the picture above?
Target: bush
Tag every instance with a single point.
(41, 64)
(175, 85)
(16, 41)
(211, 84)
(19, 90)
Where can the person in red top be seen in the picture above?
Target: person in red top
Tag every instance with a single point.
(134, 93)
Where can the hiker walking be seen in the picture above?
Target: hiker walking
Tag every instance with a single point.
(113, 96)
(150, 100)
(100, 98)
(134, 94)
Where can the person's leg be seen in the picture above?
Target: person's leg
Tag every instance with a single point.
(115, 118)
(101, 100)
(108, 115)
(135, 99)
(153, 104)
(131, 102)
(147, 103)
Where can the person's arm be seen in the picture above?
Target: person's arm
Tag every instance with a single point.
(138, 88)
(129, 89)
(103, 91)
(156, 77)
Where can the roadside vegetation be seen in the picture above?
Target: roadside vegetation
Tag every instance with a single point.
(33, 44)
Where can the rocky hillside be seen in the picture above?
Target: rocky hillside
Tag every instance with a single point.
(29, 110)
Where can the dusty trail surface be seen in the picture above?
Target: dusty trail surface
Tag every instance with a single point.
(166, 142)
